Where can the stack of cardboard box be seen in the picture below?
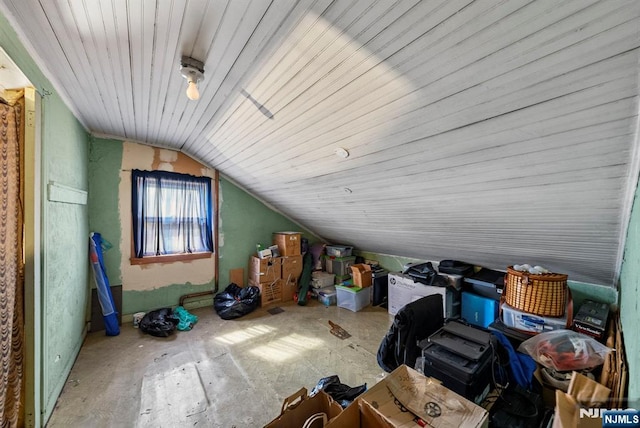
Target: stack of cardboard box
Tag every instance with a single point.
(277, 277)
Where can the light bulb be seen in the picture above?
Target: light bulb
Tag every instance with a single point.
(192, 91)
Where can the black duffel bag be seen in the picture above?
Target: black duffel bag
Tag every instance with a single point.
(414, 322)
(425, 273)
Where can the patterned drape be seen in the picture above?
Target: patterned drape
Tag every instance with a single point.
(11, 268)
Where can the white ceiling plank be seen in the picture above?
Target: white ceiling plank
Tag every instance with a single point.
(239, 23)
(89, 32)
(278, 73)
(341, 99)
(68, 35)
(415, 130)
(166, 60)
(199, 28)
(472, 126)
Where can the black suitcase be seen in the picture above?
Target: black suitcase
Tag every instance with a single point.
(471, 379)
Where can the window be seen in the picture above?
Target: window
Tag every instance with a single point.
(172, 216)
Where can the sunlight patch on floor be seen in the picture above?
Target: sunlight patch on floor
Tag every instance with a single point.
(287, 347)
(240, 336)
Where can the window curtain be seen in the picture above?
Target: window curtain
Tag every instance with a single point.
(172, 213)
(11, 265)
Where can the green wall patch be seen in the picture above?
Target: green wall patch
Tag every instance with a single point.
(629, 297)
(245, 222)
(105, 158)
(169, 296)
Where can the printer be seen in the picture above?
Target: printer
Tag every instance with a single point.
(461, 357)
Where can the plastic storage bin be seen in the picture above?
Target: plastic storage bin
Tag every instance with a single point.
(322, 279)
(327, 296)
(340, 266)
(353, 298)
(339, 250)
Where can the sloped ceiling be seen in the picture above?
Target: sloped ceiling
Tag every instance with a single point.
(496, 132)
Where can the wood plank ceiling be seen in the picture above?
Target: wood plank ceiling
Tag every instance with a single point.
(496, 132)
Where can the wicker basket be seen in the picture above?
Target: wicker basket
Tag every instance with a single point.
(544, 294)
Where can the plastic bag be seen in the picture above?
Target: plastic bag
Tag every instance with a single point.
(159, 323)
(186, 320)
(343, 394)
(236, 301)
(565, 350)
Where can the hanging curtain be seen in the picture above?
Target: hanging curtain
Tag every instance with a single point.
(11, 266)
(172, 213)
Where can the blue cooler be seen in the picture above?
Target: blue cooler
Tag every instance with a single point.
(478, 310)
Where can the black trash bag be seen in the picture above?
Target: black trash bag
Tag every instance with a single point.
(159, 323)
(236, 301)
(343, 394)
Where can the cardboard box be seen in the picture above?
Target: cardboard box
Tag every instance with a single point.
(291, 267)
(264, 270)
(361, 274)
(355, 417)
(270, 292)
(289, 243)
(405, 394)
(299, 407)
(289, 288)
(403, 289)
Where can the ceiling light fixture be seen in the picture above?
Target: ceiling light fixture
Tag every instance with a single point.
(342, 152)
(192, 70)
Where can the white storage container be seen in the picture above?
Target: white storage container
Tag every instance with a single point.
(512, 317)
(353, 298)
(322, 279)
(327, 296)
(339, 250)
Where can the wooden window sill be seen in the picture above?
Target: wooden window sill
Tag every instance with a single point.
(170, 258)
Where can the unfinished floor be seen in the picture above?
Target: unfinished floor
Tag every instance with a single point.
(221, 373)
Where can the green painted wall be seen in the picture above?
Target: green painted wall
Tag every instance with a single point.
(105, 158)
(629, 306)
(245, 222)
(64, 234)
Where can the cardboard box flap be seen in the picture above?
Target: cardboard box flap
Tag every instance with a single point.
(405, 393)
(433, 402)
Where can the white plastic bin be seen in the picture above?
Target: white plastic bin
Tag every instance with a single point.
(339, 250)
(353, 298)
(322, 279)
(327, 296)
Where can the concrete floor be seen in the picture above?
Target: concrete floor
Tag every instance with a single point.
(220, 374)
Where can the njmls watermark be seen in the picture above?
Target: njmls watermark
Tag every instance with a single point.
(613, 417)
